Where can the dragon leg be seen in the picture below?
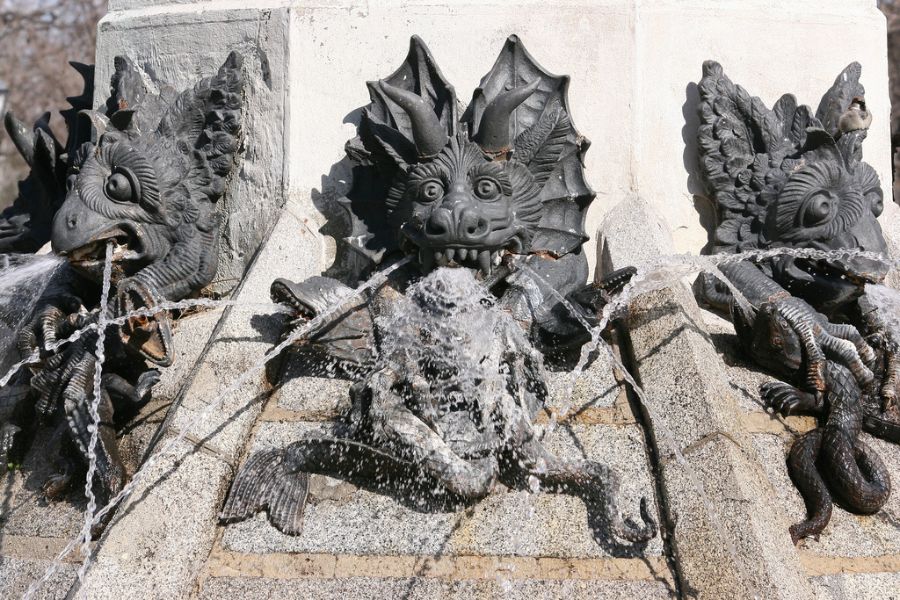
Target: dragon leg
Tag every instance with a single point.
(845, 352)
(801, 464)
(851, 334)
(586, 478)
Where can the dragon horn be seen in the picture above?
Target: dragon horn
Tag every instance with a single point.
(428, 133)
(22, 137)
(493, 132)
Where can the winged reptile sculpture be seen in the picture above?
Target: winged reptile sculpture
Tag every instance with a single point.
(787, 178)
(499, 195)
(145, 180)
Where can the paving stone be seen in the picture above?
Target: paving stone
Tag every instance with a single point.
(726, 527)
(863, 586)
(168, 519)
(241, 343)
(16, 575)
(421, 588)
(506, 522)
(163, 533)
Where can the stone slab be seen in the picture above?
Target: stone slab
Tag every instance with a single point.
(17, 574)
(164, 522)
(865, 586)
(363, 588)
(352, 521)
(164, 531)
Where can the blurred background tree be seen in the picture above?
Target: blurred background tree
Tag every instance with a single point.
(891, 9)
(38, 38)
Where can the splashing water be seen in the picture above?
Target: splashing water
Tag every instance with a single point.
(376, 280)
(887, 301)
(660, 274)
(162, 307)
(23, 278)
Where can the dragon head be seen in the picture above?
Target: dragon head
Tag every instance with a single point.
(148, 181)
(783, 178)
(506, 177)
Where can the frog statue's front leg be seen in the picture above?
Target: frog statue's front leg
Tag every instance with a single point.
(400, 452)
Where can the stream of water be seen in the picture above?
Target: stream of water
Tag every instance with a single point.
(374, 281)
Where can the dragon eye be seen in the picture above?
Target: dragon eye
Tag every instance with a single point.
(818, 209)
(487, 189)
(431, 190)
(122, 186)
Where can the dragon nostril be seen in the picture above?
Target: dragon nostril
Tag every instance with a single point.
(438, 223)
(476, 227)
(72, 221)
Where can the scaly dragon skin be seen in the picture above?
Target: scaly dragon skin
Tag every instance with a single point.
(784, 178)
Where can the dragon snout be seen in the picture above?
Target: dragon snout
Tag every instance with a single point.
(462, 225)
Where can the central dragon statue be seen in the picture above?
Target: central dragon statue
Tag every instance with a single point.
(142, 188)
(785, 178)
(488, 208)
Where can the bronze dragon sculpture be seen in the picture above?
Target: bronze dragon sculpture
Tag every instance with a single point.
(145, 182)
(448, 380)
(787, 178)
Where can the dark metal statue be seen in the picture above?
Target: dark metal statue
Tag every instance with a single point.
(25, 225)
(438, 407)
(145, 181)
(788, 178)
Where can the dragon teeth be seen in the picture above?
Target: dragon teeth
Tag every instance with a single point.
(495, 258)
(440, 258)
(426, 259)
(462, 254)
(449, 253)
(484, 261)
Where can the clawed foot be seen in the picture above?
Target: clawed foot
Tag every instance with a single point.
(786, 400)
(890, 379)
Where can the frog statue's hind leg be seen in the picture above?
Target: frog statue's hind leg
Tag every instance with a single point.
(409, 454)
(592, 481)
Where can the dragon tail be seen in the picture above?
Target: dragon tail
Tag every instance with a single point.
(802, 468)
(265, 482)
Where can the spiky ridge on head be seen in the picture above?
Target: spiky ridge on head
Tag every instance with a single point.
(154, 191)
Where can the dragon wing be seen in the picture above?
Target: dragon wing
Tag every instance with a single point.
(740, 140)
(204, 123)
(545, 140)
